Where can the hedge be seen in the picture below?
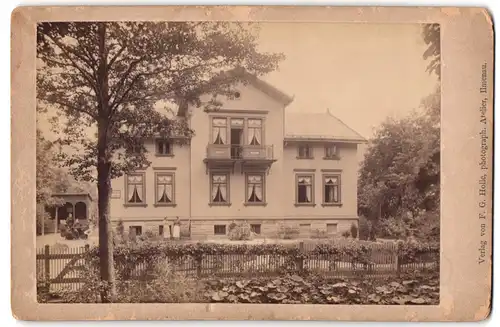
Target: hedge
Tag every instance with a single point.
(354, 252)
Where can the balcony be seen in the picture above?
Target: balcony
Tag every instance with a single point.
(246, 156)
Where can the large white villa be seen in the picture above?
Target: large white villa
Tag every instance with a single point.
(249, 160)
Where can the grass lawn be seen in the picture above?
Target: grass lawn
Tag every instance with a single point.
(53, 239)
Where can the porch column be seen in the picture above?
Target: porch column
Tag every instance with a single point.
(57, 220)
(43, 223)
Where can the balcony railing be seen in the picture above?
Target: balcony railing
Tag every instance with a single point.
(239, 152)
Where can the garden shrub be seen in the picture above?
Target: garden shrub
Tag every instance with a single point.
(42, 284)
(147, 272)
(148, 235)
(364, 228)
(286, 232)
(354, 230)
(427, 226)
(346, 234)
(132, 235)
(240, 231)
(319, 234)
(120, 228)
(60, 247)
(159, 284)
(164, 286)
(393, 228)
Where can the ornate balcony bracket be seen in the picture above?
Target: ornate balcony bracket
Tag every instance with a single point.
(219, 164)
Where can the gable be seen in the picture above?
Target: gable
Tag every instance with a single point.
(248, 85)
(250, 98)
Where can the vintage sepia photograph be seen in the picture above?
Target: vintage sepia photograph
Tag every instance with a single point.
(238, 162)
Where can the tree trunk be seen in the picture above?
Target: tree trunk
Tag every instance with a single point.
(105, 232)
(108, 293)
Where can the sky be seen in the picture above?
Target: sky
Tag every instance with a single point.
(362, 73)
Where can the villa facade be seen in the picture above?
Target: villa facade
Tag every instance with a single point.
(249, 160)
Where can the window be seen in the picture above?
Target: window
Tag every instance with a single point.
(331, 189)
(255, 228)
(135, 189)
(160, 230)
(331, 228)
(219, 131)
(255, 189)
(135, 230)
(331, 152)
(164, 192)
(305, 152)
(163, 148)
(219, 229)
(254, 131)
(219, 188)
(305, 189)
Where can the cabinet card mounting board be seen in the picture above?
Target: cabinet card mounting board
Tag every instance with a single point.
(252, 163)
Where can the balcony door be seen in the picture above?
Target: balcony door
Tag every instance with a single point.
(236, 137)
(236, 142)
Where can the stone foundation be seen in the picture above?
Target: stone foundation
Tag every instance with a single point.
(205, 229)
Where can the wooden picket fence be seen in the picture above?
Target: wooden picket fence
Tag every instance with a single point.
(63, 267)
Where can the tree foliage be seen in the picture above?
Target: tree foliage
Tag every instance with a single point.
(127, 75)
(49, 179)
(119, 80)
(431, 34)
(398, 188)
(400, 175)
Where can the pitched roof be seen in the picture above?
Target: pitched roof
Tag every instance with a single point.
(240, 74)
(268, 89)
(317, 127)
(57, 195)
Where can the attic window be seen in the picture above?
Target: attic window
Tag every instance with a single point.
(331, 152)
(305, 152)
(237, 95)
(163, 148)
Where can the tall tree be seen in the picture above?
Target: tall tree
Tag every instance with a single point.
(399, 177)
(401, 171)
(111, 76)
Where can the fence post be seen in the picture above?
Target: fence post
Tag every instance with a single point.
(198, 266)
(300, 258)
(47, 262)
(398, 265)
(87, 258)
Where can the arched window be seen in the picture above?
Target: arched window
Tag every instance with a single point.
(64, 211)
(80, 210)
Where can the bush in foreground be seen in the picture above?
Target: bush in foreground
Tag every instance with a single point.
(240, 231)
(293, 289)
(161, 285)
